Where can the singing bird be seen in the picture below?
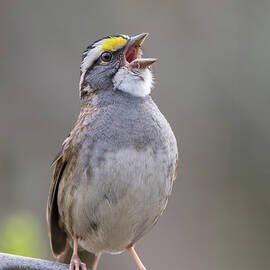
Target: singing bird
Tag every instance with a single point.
(115, 171)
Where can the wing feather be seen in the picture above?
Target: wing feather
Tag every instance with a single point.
(57, 236)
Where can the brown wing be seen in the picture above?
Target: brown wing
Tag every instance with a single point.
(58, 237)
(56, 234)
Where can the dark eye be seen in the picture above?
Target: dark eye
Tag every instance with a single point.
(106, 56)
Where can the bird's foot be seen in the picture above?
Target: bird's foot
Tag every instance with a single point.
(76, 263)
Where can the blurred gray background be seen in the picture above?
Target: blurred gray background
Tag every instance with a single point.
(212, 84)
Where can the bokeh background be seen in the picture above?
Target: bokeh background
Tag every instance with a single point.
(213, 85)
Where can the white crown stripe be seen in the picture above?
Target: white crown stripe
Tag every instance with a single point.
(91, 55)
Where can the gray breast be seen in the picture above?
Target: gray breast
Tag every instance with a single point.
(127, 121)
(129, 154)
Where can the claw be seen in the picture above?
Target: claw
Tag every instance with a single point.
(76, 263)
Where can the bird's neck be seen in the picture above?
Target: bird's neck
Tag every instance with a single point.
(102, 98)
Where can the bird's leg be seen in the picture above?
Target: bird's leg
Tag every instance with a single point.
(95, 262)
(75, 262)
(136, 258)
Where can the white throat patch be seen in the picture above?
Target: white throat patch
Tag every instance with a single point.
(135, 83)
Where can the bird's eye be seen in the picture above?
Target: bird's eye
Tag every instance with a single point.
(106, 56)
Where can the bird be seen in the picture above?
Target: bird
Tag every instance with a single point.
(115, 171)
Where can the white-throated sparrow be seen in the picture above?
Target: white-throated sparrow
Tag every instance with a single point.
(115, 172)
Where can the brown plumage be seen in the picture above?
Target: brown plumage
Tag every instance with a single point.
(64, 164)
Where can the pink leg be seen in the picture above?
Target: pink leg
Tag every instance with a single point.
(136, 258)
(75, 262)
(95, 263)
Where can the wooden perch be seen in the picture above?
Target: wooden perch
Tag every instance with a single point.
(14, 262)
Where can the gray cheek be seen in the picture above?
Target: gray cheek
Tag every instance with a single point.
(98, 81)
(100, 77)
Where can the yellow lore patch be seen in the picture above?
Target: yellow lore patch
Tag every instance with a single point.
(113, 43)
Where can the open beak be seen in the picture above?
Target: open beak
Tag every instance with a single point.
(133, 53)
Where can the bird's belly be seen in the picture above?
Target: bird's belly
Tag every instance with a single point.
(120, 199)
